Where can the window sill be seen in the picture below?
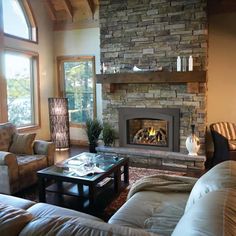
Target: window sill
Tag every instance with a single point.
(28, 128)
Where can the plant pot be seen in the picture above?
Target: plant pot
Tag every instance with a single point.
(92, 148)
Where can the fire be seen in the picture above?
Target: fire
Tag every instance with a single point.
(152, 131)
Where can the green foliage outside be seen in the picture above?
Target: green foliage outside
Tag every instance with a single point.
(79, 90)
(19, 100)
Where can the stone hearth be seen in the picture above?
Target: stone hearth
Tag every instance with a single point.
(155, 158)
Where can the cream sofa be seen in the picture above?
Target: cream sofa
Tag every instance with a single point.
(209, 209)
(20, 158)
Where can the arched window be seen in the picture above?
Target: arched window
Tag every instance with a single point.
(18, 19)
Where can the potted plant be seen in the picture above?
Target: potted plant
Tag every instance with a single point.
(108, 134)
(93, 130)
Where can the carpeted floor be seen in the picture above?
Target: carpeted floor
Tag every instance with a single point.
(134, 174)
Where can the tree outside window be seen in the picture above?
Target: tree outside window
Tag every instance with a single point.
(78, 79)
(20, 92)
(19, 74)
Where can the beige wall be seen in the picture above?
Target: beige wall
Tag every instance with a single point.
(83, 42)
(221, 104)
(46, 69)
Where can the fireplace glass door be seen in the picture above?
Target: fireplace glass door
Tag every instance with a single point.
(152, 132)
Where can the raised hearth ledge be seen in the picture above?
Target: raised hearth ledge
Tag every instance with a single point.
(156, 158)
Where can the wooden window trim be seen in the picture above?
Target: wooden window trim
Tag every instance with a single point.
(37, 102)
(3, 117)
(19, 38)
(60, 81)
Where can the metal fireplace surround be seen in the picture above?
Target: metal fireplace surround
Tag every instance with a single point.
(171, 115)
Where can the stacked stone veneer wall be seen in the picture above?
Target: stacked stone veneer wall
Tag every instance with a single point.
(151, 34)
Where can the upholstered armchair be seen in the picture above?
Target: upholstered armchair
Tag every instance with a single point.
(20, 158)
(224, 139)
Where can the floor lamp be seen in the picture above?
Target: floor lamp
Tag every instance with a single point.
(59, 122)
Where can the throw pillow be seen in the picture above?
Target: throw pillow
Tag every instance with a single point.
(22, 143)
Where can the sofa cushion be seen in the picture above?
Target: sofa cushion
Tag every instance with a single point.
(27, 159)
(6, 132)
(16, 201)
(28, 167)
(213, 214)
(30, 163)
(153, 211)
(22, 143)
(44, 209)
(61, 226)
(12, 220)
(220, 176)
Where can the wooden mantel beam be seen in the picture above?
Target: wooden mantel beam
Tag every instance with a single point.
(68, 7)
(50, 9)
(91, 6)
(152, 77)
(191, 78)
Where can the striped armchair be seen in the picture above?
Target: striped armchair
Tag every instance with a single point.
(224, 139)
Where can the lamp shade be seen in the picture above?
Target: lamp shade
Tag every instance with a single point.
(59, 122)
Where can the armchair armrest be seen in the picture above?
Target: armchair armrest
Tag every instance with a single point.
(9, 173)
(221, 148)
(45, 148)
(7, 158)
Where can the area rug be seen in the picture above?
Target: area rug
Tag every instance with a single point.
(135, 174)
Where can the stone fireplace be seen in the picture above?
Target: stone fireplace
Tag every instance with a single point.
(151, 128)
(152, 97)
(150, 35)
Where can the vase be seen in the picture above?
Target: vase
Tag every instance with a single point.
(192, 143)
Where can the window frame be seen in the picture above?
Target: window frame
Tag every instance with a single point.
(36, 88)
(30, 20)
(61, 81)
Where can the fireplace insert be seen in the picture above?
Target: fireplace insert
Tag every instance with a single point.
(148, 132)
(152, 128)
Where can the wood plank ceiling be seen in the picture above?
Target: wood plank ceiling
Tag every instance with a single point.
(73, 14)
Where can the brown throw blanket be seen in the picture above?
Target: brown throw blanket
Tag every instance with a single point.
(163, 183)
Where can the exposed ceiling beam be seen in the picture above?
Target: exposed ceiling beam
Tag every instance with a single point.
(91, 6)
(50, 9)
(68, 7)
(89, 23)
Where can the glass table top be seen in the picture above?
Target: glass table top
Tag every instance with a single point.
(86, 165)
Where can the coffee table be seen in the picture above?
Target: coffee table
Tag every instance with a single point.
(71, 178)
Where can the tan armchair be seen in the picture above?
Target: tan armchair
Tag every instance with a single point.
(20, 158)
